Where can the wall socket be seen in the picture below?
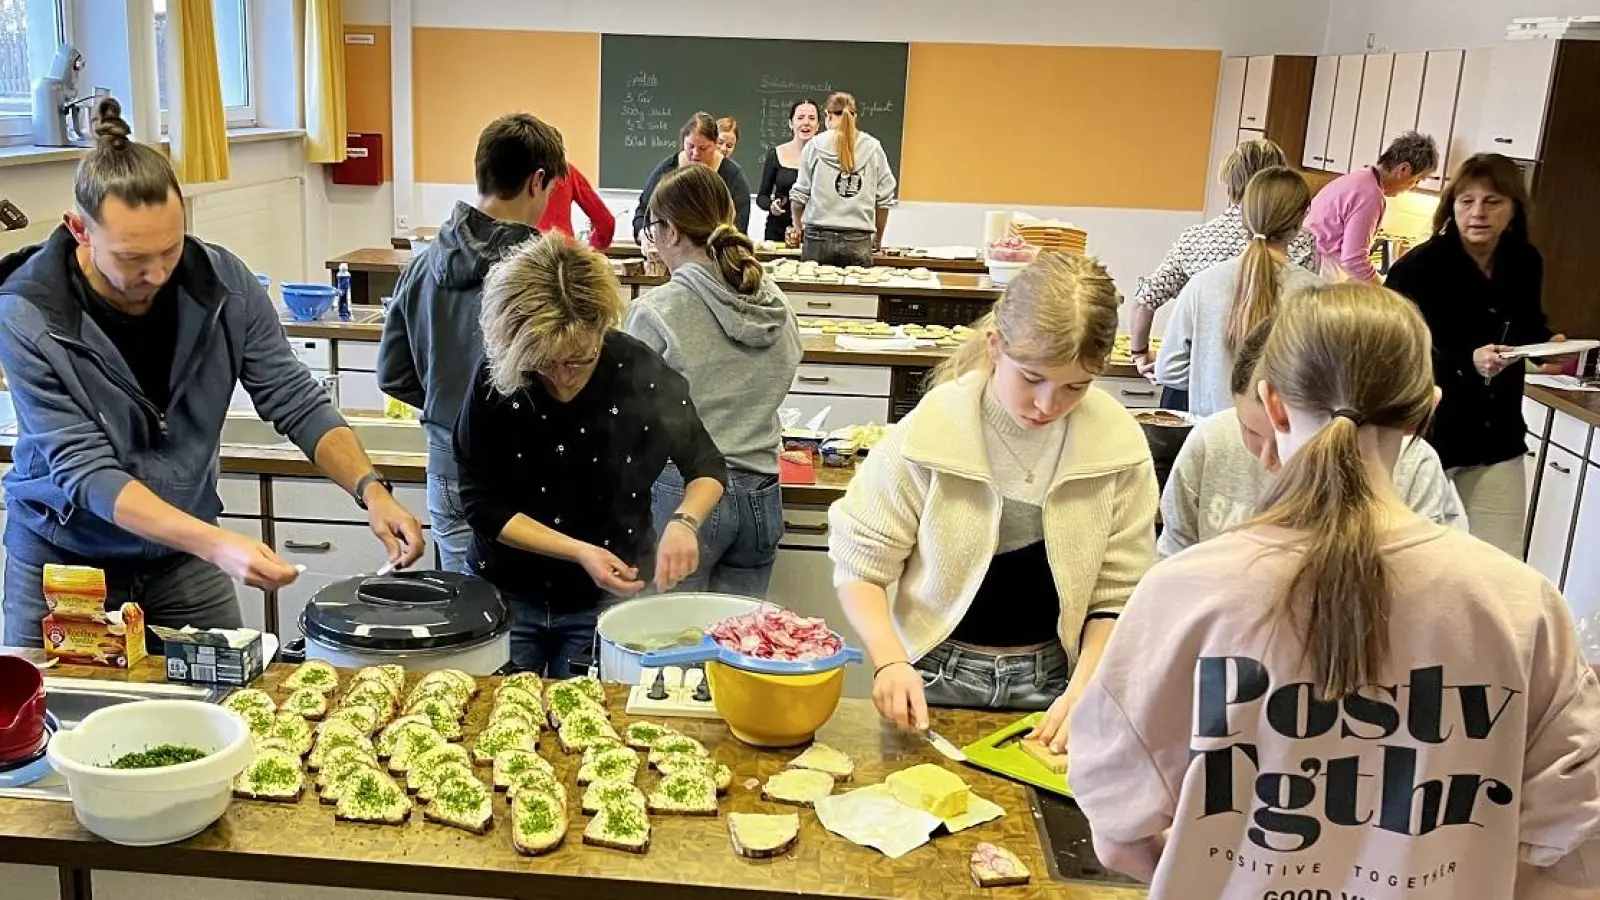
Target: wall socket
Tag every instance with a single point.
(402, 222)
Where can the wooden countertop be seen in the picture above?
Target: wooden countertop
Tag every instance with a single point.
(1582, 405)
(688, 858)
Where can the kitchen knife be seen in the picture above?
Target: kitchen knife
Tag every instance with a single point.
(946, 749)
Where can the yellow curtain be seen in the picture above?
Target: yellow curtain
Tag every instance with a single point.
(326, 122)
(196, 124)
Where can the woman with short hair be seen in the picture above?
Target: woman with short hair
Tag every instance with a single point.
(566, 426)
(699, 137)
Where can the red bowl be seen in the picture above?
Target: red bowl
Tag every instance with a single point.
(22, 708)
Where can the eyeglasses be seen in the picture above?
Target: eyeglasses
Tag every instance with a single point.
(649, 229)
(569, 365)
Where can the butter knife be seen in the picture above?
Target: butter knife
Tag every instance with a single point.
(946, 749)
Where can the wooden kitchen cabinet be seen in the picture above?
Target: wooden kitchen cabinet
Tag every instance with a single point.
(1514, 104)
(1582, 587)
(1372, 108)
(1554, 512)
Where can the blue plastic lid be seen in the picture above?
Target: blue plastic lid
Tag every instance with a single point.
(709, 650)
(266, 280)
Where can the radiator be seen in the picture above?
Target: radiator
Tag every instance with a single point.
(263, 224)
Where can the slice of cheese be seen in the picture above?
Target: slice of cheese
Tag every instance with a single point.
(931, 789)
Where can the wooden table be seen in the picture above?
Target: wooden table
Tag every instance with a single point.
(689, 858)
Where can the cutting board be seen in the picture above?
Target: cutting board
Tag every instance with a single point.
(1002, 753)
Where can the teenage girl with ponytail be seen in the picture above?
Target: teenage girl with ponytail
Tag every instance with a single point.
(723, 324)
(1341, 694)
(1218, 307)
(842, 194)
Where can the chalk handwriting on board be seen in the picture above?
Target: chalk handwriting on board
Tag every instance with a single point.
(642, 79)
(648, 123)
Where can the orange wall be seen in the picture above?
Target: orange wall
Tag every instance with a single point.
(463, 78)
(368, 99)
(1059, 126)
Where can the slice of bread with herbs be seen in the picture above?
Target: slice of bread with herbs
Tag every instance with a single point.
(250, 698)
(295, 730)
(539, 782)
(337, 734)
(579, 731)
(675, 763)
(612, 763)
(423, 765)
(798, 787)
(427, 785)
(269, 742)
(460, 679)
(603, 794)
(272, 775)
(371, 796)
(462, 802)
(621, 827)
(391, 734)
(510, 712)
(392, 677)
(307, 704)
(538, 823)
(366, 718)
(340, 765)
(444, 716)
(823, 758)
(760, 836)
(511, 695)
(684, 794)
(411, 744)
(589, 687)
(641, 735)
(509, 764)
(675, 743)
(258, 719)
(500, 737)
(527, 681)
(315, 675)
(564, 697)
(374, 694)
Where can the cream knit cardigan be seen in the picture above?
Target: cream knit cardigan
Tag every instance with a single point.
(924, 511)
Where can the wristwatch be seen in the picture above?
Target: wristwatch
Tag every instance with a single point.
(685, 518)
(361, 487)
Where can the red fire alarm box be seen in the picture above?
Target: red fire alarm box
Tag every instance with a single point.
(363, 162)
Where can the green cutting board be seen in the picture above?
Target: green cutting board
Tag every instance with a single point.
(1000, 752)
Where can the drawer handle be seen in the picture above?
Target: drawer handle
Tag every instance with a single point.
(805, 529)
(1560, 468)
(308, 547)
(813, 379)
(1530, 454)
(819, 304)
(1249, 118)
(1128, 393)
(1504, 140)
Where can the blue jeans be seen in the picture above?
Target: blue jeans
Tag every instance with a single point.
(837, 246)
(738, 542)
(956, 675)
(451, 533)
(546, 641)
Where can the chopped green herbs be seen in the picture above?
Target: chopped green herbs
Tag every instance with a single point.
(159, 756)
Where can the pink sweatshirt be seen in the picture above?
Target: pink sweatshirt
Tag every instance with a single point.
(1344, 218)
(1476, 747)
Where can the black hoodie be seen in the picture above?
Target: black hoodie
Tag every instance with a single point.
(431, 340)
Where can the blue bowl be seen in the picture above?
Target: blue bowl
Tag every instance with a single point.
(308, 302)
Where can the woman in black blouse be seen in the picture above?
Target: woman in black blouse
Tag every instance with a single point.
(1477, 283)
(782, 167)
(699, 136)
(567, 425)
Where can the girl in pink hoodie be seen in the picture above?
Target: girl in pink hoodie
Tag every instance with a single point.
(1340, 698)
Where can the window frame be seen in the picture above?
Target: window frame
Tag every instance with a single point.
(238, 116)
(17, 128)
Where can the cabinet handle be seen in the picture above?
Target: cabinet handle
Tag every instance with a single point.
(1249, 118)
(1128, 393)
(1560, 468)
(1530, 454)
(813, 379)
(819, 304)
(1504, 140)
(805, 529)
(307, 547)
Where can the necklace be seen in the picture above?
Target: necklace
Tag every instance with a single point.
(1027, 470)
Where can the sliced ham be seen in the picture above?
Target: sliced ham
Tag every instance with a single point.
(775, 633)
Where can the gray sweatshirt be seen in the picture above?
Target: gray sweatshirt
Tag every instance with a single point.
(1215, 484)
(835, 199)
(738, 353)
(1194, 353)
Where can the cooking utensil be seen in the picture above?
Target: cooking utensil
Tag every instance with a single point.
(22, 708)
(420, 619)
(946, 749)
(1002, 754)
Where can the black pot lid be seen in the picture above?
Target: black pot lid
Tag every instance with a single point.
(405, 612)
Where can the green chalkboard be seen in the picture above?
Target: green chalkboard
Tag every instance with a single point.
(650, 86)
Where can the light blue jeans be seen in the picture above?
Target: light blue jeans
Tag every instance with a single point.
(451, 533)
(739, 542)
(956, 675)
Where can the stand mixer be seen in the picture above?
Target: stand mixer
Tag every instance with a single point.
(59, 118)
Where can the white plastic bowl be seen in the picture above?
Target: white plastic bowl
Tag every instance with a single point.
(1001, 272)
(146, 807)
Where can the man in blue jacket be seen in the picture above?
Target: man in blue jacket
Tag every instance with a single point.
(122, 339)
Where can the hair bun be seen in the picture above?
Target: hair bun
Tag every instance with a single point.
(723, 235)
(110, 129)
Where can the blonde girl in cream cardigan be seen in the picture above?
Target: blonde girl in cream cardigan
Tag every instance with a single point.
(1013, 511)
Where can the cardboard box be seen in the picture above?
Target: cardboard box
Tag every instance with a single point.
(209, 657)
(117, 644)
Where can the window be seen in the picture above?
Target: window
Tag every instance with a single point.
(233, 58)
(30, 32)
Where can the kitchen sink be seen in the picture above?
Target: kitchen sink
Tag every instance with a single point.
(378, 435)
(1067, 843)
(73, 699)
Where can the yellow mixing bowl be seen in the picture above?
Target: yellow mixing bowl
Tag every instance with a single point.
(774, 710)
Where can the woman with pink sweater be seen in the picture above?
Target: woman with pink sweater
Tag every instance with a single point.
(1340, 697)
(1345, 215)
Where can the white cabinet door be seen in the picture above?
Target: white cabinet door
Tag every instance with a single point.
(1346, 107)
(1582, 588)
(1250, 134)
(1514, 105)
(1405, 95)
(1552, 519)
(842, 411)
(1532, 460)
(252, 601)
(329, 553)
(1133, 393)
(359, 391)
(1257, 93)
(1371, 110)
(1225, 129)
(1320, 118)
(1436, 109)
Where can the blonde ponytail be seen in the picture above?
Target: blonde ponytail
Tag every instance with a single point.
(1361, 355)
(844, 106)
(1275, 205)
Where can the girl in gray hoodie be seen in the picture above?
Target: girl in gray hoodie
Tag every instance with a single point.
(723, 324)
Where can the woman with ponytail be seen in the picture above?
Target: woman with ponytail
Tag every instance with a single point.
(842, 194)
(1219, 307)
(723, 324)
(1341, 693)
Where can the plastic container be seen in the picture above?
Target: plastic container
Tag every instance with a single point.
(307, 302)
(341, 284)
(22, 709)
(265, 281)
(1001, 272)
(774, 710)
(650, 617)
(147, 807)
